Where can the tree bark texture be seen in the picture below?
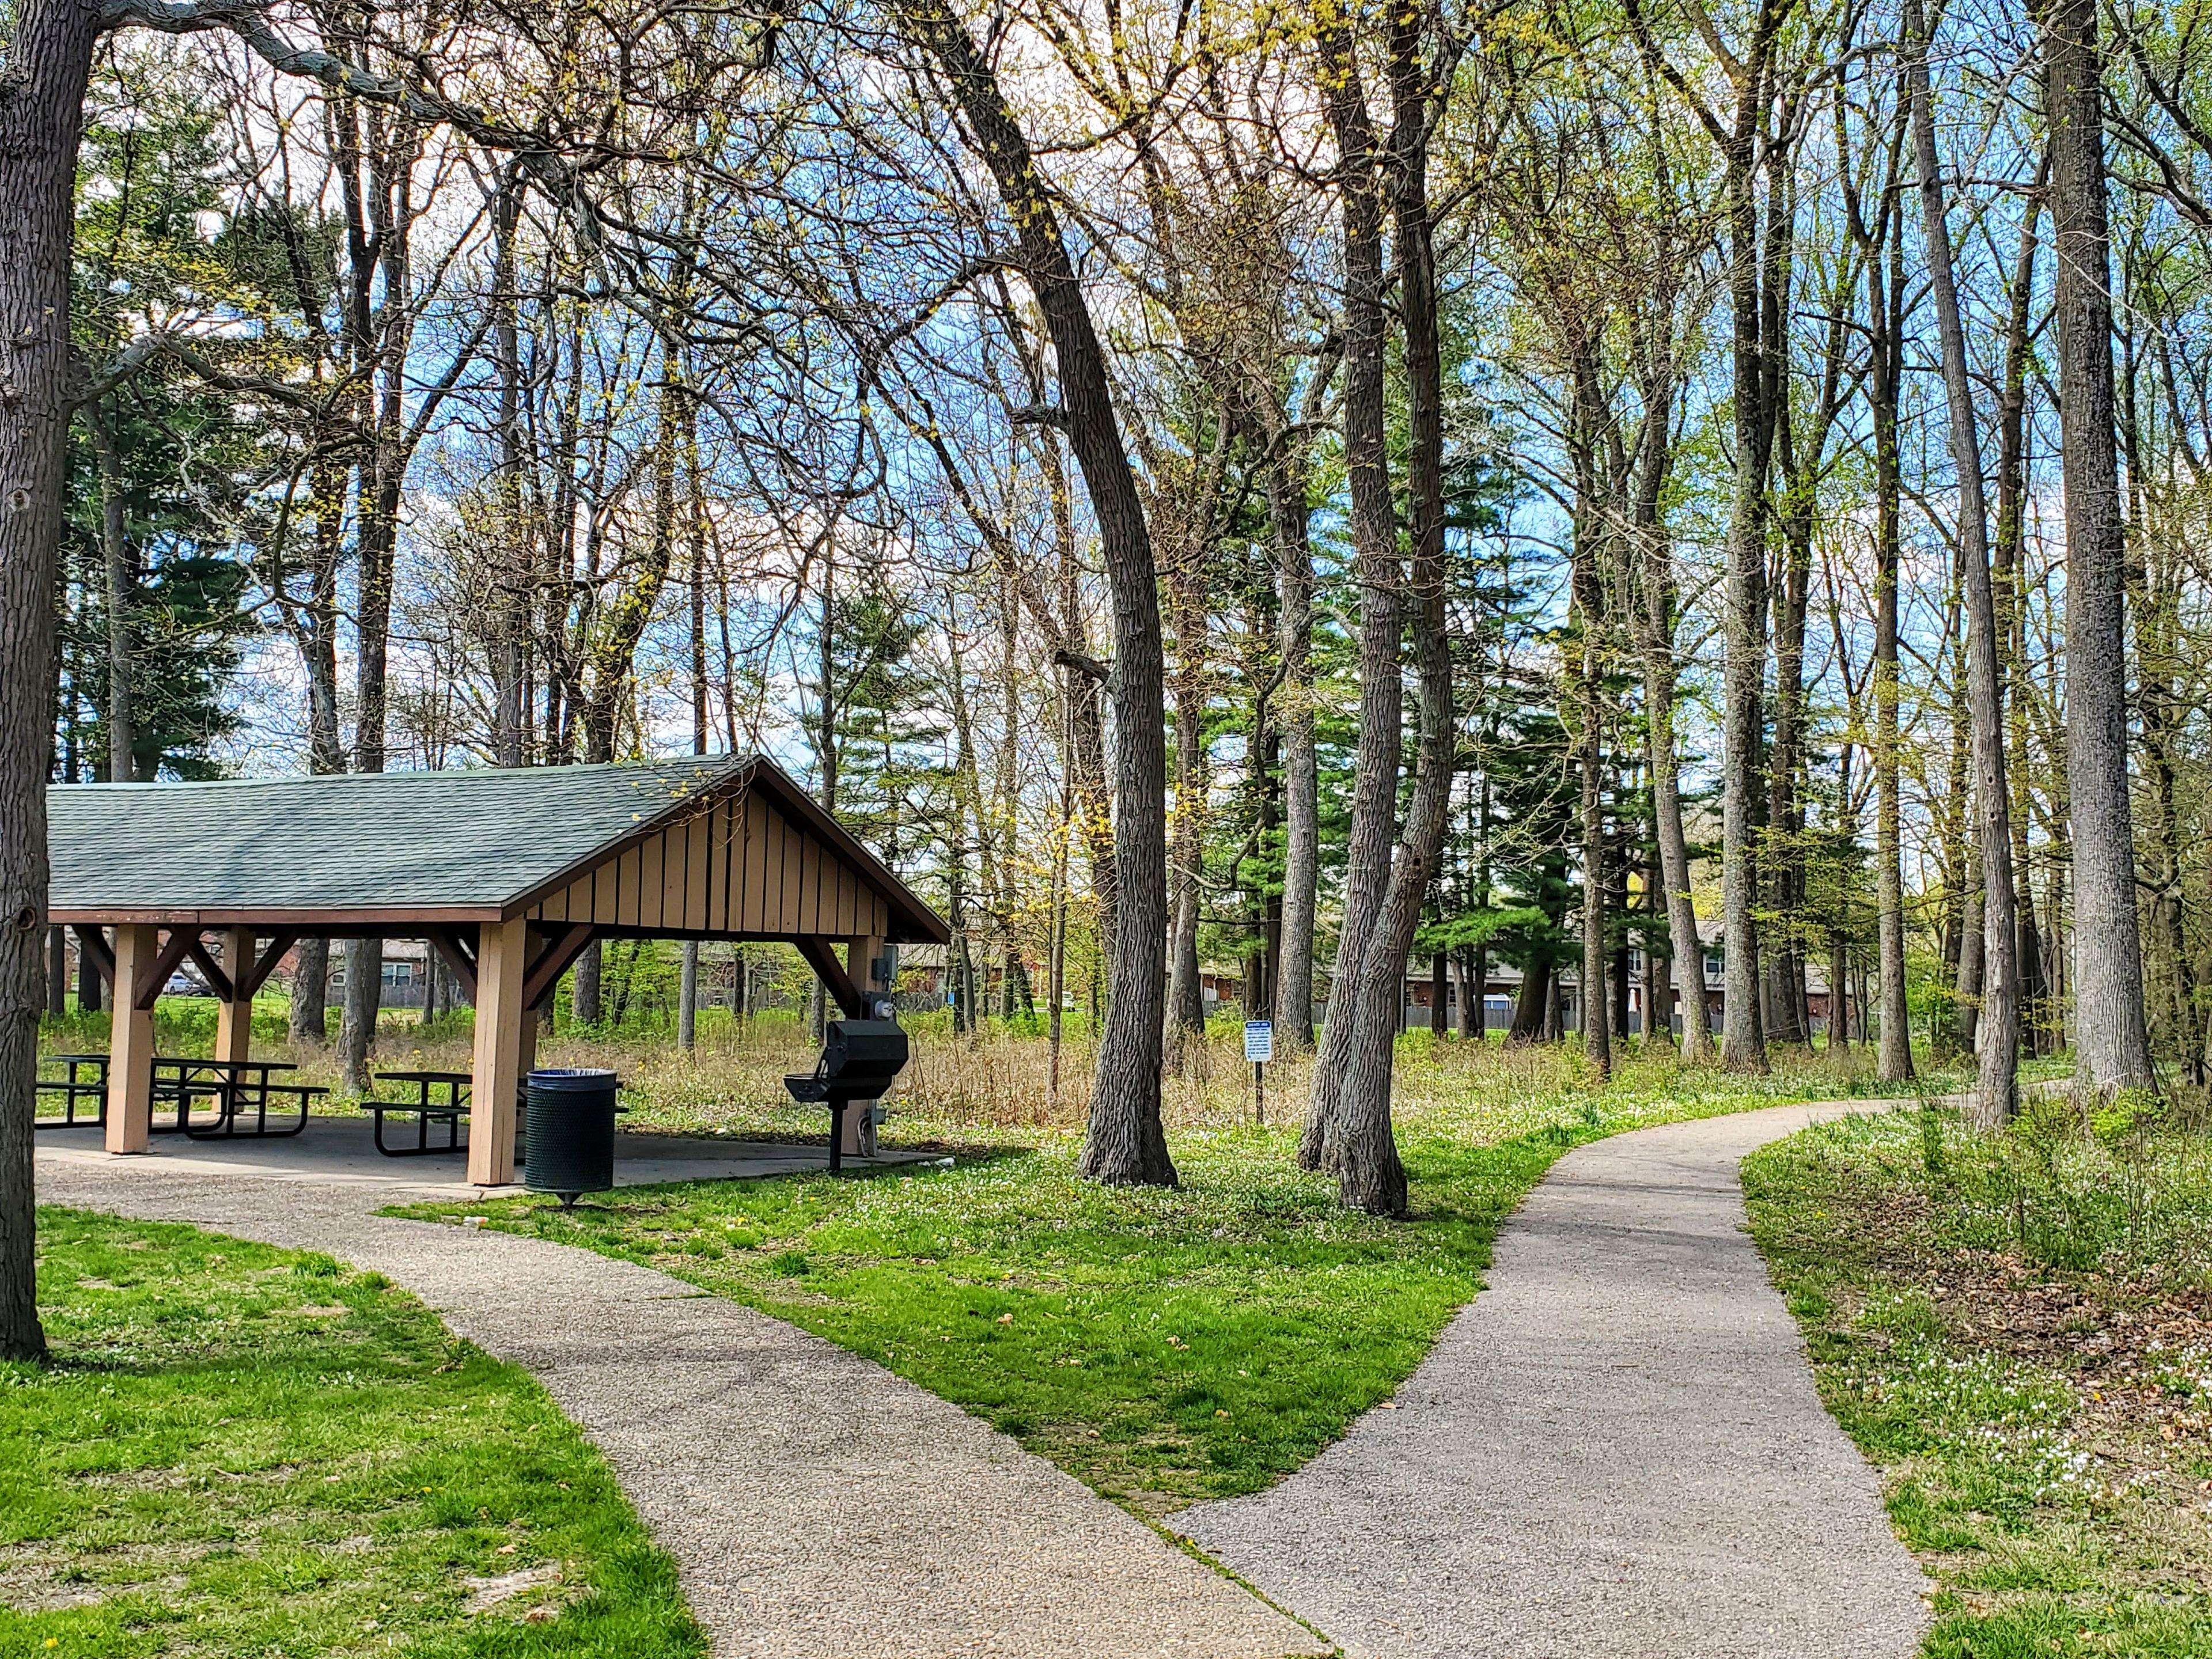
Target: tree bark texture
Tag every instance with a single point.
(1655, 566)
(1378, 571)
(364, 998)
(1289, 517)
(311, 975)
(1894, 1056)
(48, 61)
(1124, 1143)
(122, 603)
(2011, 613)
(1186, 1013)
(1743, 716)
(1997, 1027)
(1585, 698)
(687, 1004)
(1363, 1146)
(2111, 1035)
(1530, 1020)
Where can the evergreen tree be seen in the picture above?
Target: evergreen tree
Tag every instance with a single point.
(153, 601)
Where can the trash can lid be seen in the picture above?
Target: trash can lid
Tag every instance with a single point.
(581, 1079)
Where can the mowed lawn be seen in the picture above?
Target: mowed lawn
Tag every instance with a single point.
(1164, 1347)
(242, 1450)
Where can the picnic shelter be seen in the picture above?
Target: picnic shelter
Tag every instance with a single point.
(509, 873)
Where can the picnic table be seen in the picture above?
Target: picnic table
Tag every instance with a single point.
(426, 1109)
(85, 1080)
(236, 1088)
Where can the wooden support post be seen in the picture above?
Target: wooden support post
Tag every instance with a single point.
(234, 1019)
(861, 954)
(502, 959)
(130, 1042)
(525, 1056)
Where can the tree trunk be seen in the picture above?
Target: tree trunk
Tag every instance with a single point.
(1186, 993)
(1056, 963)
(1743, 1047)
(2112, 1040)
(1617, 975)
(48, 57)
(122, 603)
(1894, 1060)
(1783, 857)
(1186, 583)
(687, 1005)
(2012, 626)
(585, 1004)
(1379, 574)
(1839, 993)
(1967, 988)
(1288, 518)
(90, 989)
(57, 972)
(1363, 1151)
(364, 996)
(509, 621)
(1531, 1021)
(1093, 802)
(1124, 1143)
(1581, 709)
(1658, 567)
(2155, 602)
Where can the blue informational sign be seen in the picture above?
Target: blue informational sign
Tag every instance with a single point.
(1258, 1040)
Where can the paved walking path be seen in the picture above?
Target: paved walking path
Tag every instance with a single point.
(1615, 1452)
(816, 1506)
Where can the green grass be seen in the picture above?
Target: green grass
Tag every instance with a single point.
(242, 1450)
(1164, 1347)
(2012, 1327)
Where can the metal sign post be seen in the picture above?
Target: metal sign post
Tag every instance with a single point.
(1259, 1048)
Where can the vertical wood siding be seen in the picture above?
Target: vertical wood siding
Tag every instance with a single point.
(738, 867)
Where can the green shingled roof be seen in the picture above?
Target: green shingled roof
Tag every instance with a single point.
(389, 841)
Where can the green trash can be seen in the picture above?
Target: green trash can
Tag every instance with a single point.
(571, 1132)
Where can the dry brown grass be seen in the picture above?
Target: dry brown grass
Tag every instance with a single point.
(997, 1085)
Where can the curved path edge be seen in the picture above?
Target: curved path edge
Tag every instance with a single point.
(815, 1504)
(1616, 1448)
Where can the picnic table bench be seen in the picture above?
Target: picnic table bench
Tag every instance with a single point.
(85, 1080)
(236, 1088)
(450, 1110)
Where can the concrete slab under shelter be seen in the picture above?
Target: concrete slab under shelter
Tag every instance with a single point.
(336, 1150)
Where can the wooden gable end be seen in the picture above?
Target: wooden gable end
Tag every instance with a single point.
(737, 867)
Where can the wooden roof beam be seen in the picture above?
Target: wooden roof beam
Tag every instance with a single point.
(210, 970)
(174, 950)
(265, 965)
(560, 952)
(835, 980)
(458, 949)
(91, 944)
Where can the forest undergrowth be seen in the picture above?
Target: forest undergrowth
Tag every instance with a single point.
(2017, 1329)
